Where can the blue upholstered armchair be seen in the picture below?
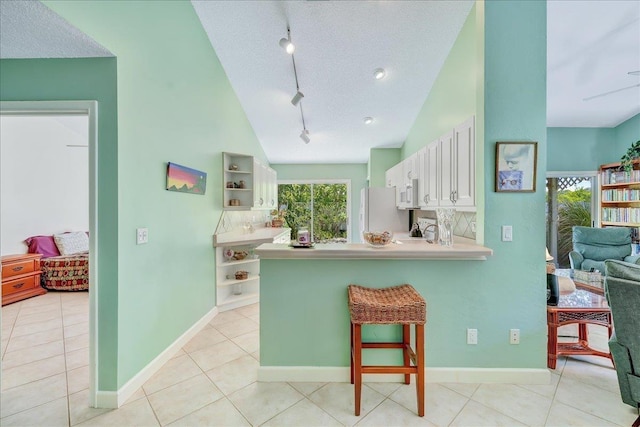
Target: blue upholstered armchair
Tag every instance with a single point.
(623, 294)
(592, 246)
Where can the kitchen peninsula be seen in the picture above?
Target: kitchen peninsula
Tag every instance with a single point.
(304, 319)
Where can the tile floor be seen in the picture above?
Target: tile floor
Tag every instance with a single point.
(212, 381)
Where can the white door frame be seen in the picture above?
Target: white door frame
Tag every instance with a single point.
(89, 108)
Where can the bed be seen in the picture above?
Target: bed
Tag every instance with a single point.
(64, 263)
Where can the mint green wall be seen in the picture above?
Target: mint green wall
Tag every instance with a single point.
(452, 98)
(626, 134)
(84, 79)
(356, 173)
(578, 149)
(506, 291)
(381, 159)
(174, 104)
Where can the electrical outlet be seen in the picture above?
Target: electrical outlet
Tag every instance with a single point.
(514, 336)
(142, 236)
(507, 233)
(472, 336)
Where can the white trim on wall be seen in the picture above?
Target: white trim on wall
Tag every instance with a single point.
(90, 108)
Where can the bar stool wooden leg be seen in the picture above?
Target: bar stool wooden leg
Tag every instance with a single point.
(420, 374)
(357, 361)
(406, 344)
(351, 351)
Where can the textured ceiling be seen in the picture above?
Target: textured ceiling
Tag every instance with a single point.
(29, 29)
(339, 44)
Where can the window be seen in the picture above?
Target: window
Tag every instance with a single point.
(320, 206)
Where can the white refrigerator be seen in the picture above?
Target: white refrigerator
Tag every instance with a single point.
(378, 211)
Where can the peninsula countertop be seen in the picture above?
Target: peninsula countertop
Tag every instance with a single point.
(406, 249)
(259, 235)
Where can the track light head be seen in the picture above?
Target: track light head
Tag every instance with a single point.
(379, 73)
(287, 45)
(304, 135)
(297, 98)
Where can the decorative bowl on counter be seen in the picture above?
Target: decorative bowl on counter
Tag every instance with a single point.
(377, 239)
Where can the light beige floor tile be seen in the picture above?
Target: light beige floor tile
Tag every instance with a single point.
(218, 413)
(475, 414)
(28, 311)
(306, 388)
(235, 375)
(596, 371)
(259, 402)
(248, 342)
(31, 340)
(33, 371)
(33, 394)
(3, 346)
(546, 390)
(390, 413)
(384, 389)
(594, 401)
(10, 310)
(256, 355)
(237, 327)
(441, 404)
(52, 414)
(78, 379)
(43, 300)
(174, 371)
(6, 329)
(337, 399)
(303, 413)
(560, 363)
(26, 319)
(137, 413)
(564, 416)
(255, 318)
(76, 342)
(217, 355)
(20, 329)
(516, 402)
(77, 329)
(32, 354)
(203, 339)
(465, 389)
(74, 318)
(179, 353)
(226, 317)
(249, 310)
(183, 398)
(77, 358)
(138, 394)
(79, 409)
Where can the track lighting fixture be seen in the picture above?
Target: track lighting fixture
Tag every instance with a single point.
(287, 45)
(368, 120)
(297, 98)
(304, 135)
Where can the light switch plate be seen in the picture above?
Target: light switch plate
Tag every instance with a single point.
(507, 233)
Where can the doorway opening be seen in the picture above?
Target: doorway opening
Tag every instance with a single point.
(87, 109)
(571, 199)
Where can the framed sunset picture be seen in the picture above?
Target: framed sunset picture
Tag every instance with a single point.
(185, 180)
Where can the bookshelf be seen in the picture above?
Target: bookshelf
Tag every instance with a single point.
(620, 197)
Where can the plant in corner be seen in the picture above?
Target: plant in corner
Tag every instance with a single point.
(626, 161)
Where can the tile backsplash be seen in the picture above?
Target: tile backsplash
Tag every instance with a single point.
(464, 223)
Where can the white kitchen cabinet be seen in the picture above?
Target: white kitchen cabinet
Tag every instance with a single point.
(428, 176)
(271, 193)
(447, 173)
(464, 163)
(237, 179)
(394, 178)
(457, 163)
(265, 184)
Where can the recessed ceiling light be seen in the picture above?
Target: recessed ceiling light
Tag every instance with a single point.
(634, 73)
(368, 120)
(379, 73)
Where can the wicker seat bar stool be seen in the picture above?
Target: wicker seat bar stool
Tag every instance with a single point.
(401, 305)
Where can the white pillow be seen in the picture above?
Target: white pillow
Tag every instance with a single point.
(72, 243)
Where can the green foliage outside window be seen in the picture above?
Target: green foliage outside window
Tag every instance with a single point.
(329, 205)
(574, 208)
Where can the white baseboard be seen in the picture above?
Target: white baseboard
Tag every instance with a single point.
(113, 399)
(434, 375)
